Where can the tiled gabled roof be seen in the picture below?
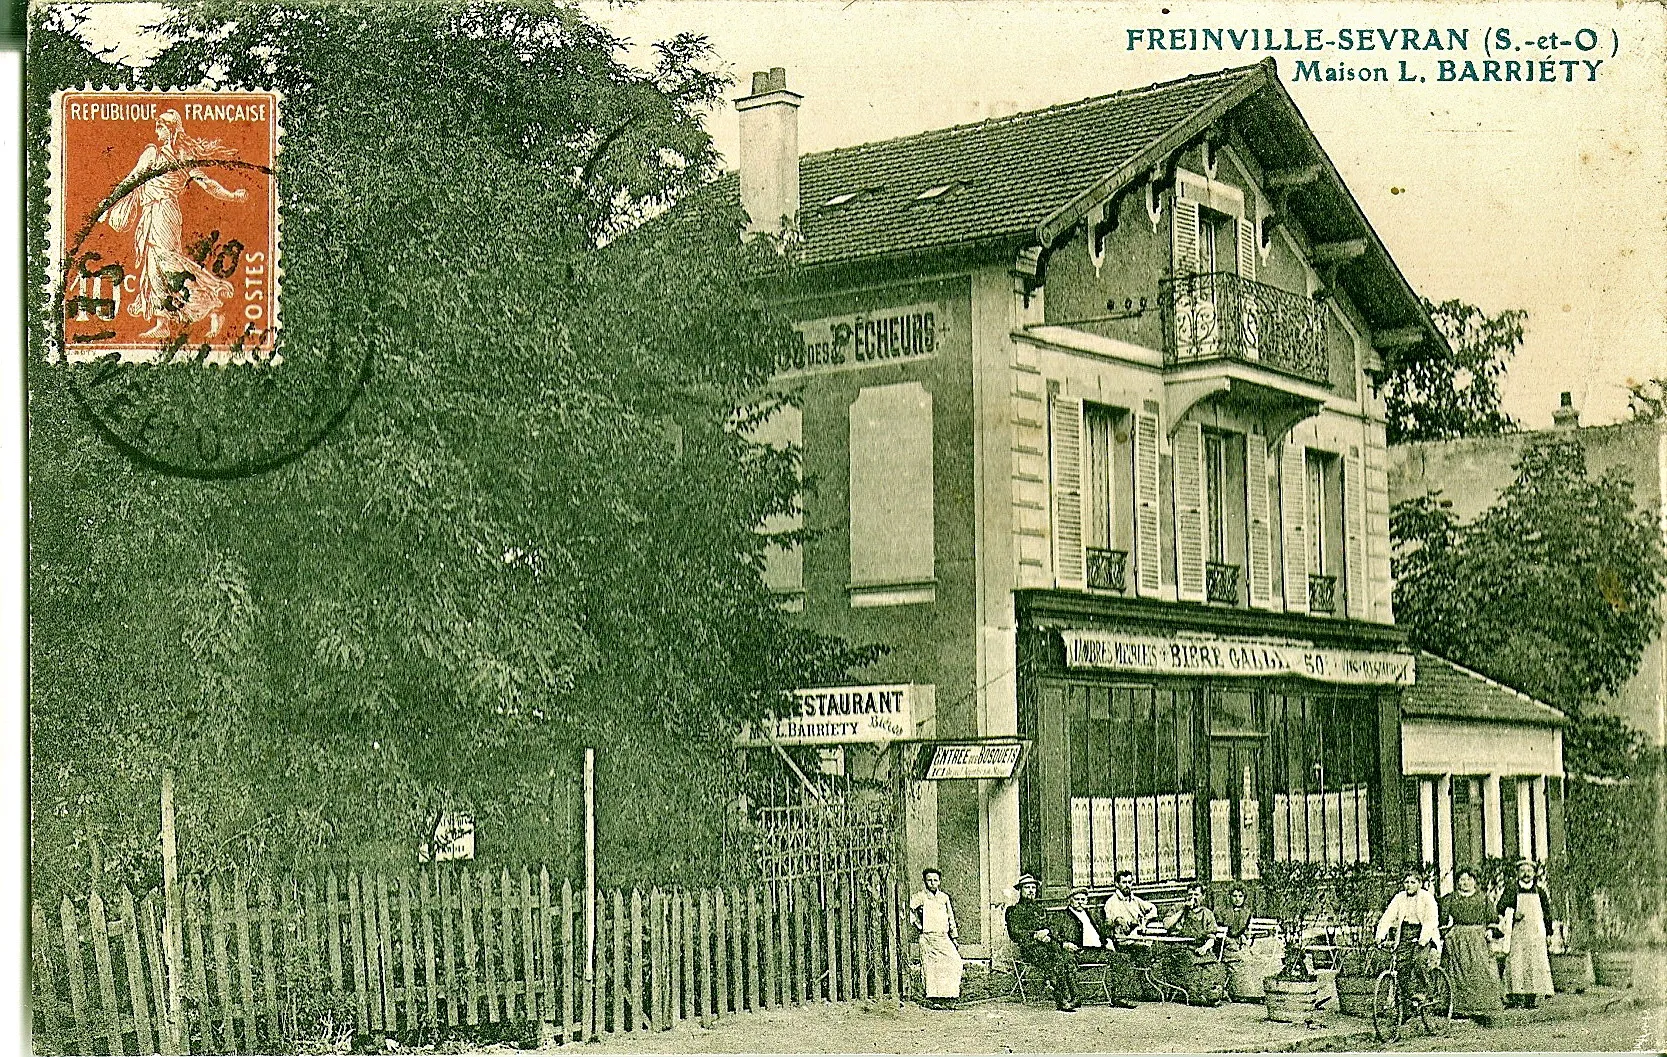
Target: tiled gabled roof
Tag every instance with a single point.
(1445, 690)
(1005, 176)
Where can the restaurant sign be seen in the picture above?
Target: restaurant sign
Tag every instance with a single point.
(864, 339)
(1208, 655)
(845, 715)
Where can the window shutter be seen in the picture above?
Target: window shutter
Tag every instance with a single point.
(1065, 433)
(1183, 230)
(1247, 249)
(1189, 512)
(1293, 492)
(1148, 545)
(1354, 537)
(1261, 545)
(1250, 310)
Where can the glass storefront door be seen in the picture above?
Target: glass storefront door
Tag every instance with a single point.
(1235, 810)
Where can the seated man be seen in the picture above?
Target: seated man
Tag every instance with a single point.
(1083, 934)
(1194, 967)
(1125, 911)
(1031, 926)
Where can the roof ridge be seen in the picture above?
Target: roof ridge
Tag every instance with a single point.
(1053, 108)
(1479, 677)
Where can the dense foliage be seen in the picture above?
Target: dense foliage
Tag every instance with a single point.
(1454, 394)
(535, 529)
(1552, 590)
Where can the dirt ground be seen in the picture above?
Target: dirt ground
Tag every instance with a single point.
(1604, 1019)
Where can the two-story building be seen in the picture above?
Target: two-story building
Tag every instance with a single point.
(1090, 441)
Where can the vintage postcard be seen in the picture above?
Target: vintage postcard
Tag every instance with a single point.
(887, 527)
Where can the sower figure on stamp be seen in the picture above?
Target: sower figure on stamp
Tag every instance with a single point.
(173, 289)
(1031, 926)
(940, 961)
(1084, 934)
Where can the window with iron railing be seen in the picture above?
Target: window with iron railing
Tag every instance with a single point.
(1221, 315)
(1108, 493)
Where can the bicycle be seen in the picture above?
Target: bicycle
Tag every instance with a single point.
(1393, 1005)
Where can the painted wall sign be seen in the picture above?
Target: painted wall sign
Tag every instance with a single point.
(1115, 651)
(844, 715)
(973, 761)
(865, 339)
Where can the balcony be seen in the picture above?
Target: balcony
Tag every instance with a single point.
(1322, 594)
(1221, 583)
(1107, 569)
(1219, 316)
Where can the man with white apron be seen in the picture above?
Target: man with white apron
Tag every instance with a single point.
(940, 960)
(1525, 913)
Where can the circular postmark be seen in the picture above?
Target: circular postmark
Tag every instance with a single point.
(166, 314)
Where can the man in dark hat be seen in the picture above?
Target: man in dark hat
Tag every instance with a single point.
(1084, 934)
(1032, 928)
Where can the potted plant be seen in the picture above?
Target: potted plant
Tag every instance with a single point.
(1293, 993)
(1362, 890)
(1611, 961)
(1571, 969)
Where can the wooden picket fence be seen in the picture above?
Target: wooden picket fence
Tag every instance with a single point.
(444, 947)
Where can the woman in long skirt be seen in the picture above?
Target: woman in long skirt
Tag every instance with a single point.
(940, 960)
(1469, 913)
(1525, 915)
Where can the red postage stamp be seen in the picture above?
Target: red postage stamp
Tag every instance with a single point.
(165, 225)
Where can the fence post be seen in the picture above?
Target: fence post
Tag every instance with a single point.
(173, 941)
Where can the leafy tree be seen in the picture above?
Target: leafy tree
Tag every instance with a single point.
(1646, 401)
(533, 532)
(1552, 590)
(1440, 397)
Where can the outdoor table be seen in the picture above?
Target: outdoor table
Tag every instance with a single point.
(1152, 941)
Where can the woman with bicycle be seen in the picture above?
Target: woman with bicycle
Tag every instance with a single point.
(1468, 916)
(1412, 923)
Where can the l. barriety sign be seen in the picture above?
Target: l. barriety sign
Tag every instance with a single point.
(1202, 655)
(844, 715)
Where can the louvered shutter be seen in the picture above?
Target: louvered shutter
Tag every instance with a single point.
(1250, 310)
(1354, 537)
(1256, 503)
(1065, 433)
(1183, 231)
(1293, 493)
(1148, 544)
(1189, 512)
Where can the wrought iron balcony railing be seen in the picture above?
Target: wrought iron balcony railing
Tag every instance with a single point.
(1322, 594)
(1107, 569)
(1219, 316)
(1221, 583)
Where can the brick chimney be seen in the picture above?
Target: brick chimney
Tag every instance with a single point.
(1566, 416)
(769, 152)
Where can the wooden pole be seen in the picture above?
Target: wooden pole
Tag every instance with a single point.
(173, 952)
(590, 894)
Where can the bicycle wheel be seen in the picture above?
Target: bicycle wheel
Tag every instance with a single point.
(1387, 1012)
(1439, 1005)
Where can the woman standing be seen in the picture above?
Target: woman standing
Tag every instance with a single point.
(1525, 915)
(940, 961)
(1469, 913)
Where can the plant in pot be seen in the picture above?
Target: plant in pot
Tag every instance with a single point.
(1293, 993)
(1611, 960)
(1362, 891)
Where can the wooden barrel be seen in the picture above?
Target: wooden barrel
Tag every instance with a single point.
(1571, 973)
(1613, 968)
(1291, 1001)
(1354, 995)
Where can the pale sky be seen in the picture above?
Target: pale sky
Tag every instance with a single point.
(1549, 197)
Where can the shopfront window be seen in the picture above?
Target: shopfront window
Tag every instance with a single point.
(1324, 755)
(1132, 783)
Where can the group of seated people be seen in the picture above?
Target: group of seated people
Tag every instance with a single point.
(1121, 938)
